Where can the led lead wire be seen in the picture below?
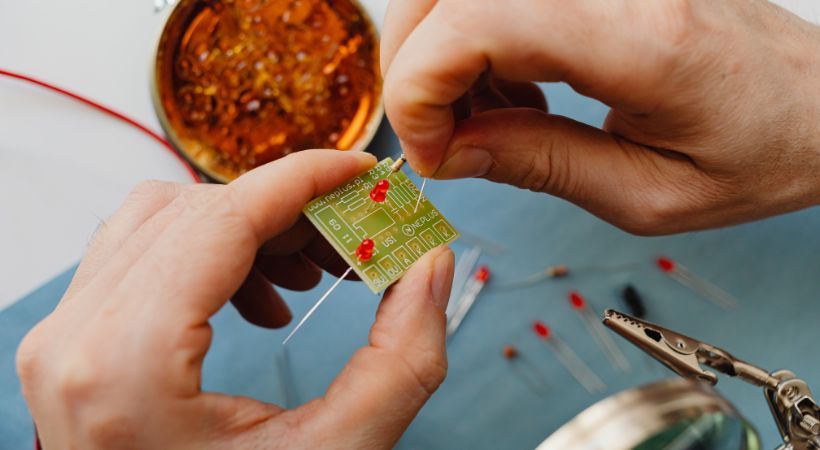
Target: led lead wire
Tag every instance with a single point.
(317, 304)
(464, 267)
(599, 333)
(421, 191)
(703, 287)
(471, 290)
(570, 360)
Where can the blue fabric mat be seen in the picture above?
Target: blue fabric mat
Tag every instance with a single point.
(773, 266)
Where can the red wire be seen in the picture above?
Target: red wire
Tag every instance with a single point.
(152, 134)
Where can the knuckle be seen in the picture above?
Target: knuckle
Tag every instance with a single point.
(76, 381)
(548, 166)
(676, 22)
(432, 371)
(669, 208)
(27, 359)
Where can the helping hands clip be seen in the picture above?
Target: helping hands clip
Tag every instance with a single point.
(790, 400)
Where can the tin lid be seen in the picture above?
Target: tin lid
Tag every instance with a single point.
(239, 84)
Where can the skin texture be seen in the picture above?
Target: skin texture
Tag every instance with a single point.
(118, 363)
(714, 115)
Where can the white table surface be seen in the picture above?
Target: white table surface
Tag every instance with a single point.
(63, 166)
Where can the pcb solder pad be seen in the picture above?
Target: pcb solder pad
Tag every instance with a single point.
(347, 215)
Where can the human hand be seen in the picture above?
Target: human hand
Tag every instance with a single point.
(118, 363)
(715, 105)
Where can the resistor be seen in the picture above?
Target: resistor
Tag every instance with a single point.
(510, 352)
(397, 165)
(558, 271)
(633, 301)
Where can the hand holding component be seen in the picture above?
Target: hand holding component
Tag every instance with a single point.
(714, 105)
(118, 363)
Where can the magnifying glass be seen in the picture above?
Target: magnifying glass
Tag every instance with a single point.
(674, 414)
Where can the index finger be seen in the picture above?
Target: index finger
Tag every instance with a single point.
(401, 18)
(451, 48)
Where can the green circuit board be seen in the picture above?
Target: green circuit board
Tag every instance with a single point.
(347, 215)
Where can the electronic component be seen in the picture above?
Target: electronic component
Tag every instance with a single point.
(705, 288)
(379, 192)
(526, 371)
(464, 267)
(347, 215)
(633, 301)
(471, 290)
(570, 360)
(561, 271)
(365, 250)
(598, 332)
(510, 352)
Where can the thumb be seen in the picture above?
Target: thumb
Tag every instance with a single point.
(627, 184)
(382, 388)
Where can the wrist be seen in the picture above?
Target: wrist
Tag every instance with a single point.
(812, 122)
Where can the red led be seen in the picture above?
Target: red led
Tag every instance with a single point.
(665, 264)
(365, 250)
(541, 330)
(577, 301)
(483, 274)
(379, 192)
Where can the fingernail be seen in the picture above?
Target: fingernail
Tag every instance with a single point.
(442, 278)
(468, 162)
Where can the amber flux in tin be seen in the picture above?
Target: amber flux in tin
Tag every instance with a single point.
(254, 80)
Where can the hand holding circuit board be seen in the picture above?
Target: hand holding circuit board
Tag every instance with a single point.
(380, 224)
(400, 233)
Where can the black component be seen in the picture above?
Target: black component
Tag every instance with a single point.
(633, 301)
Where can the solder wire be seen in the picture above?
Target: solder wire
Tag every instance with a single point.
(106, 110)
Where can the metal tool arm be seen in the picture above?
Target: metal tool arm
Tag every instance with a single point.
(790, 400)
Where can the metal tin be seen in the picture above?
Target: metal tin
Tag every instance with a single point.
(171, 33)
(654, 415)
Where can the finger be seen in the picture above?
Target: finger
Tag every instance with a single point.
(213, 242)
(624, 183)
(385, 384)
(522, 94)
(450, 48)
(327, 258)
(295, 272)
(291, 241)
(142, 202)
(401, 17)
(259, 303)
(487, 98)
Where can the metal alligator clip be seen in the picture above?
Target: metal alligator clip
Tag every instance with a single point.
(790, 400)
